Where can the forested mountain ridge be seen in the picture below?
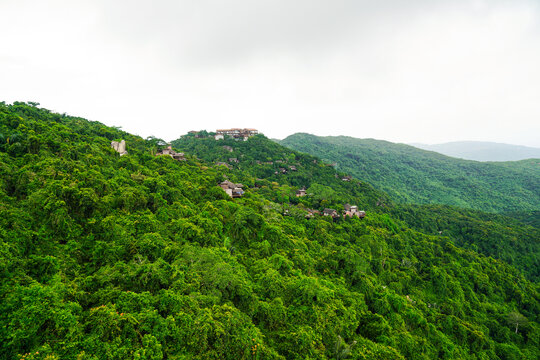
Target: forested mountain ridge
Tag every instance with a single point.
(490, 234)
(411, 175)
(483, 151)
(260, 158)
(145, 257)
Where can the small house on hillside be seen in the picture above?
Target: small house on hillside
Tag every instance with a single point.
(352, 210)
(292, 168)
(346, 178)
(169, 151)
(228, 148)
(301, 192)
(331, 212)
(232, 189)
(311, 213)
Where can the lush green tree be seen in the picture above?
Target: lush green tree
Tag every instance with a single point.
(140, 256)
(515, 318)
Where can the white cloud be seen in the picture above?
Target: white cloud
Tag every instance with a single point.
(424, 71)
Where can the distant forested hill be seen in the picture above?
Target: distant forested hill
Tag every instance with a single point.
(142, 256)
(483, 151)
(412, 175)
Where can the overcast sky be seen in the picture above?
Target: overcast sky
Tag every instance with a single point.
(425, 71)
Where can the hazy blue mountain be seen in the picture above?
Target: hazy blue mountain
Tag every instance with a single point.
(412, 175)
(483, 151)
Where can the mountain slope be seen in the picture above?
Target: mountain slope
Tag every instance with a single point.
(483, 151)
(492, 235)
(142, 256)
(411, 175)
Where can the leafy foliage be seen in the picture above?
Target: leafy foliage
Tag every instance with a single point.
(144, 257)
(493, 235)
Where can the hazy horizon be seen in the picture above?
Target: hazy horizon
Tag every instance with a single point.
(473, 141)
(418, 72)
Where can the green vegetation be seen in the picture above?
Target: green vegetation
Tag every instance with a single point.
(411, 175)
(527, 217)
(493, 235)
(264, 163)
(143, 257)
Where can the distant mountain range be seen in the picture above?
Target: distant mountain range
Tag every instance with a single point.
(483, 151)
(412, 175)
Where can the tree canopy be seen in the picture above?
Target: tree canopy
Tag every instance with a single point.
(141, 256)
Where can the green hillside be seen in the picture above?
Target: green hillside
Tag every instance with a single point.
(492, 235)
(411, 175)
(141, 256)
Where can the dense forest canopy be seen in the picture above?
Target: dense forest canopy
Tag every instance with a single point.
(142, 256)
(411, 175)
(490, 234)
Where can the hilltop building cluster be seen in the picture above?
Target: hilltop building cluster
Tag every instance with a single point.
(235, 133)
